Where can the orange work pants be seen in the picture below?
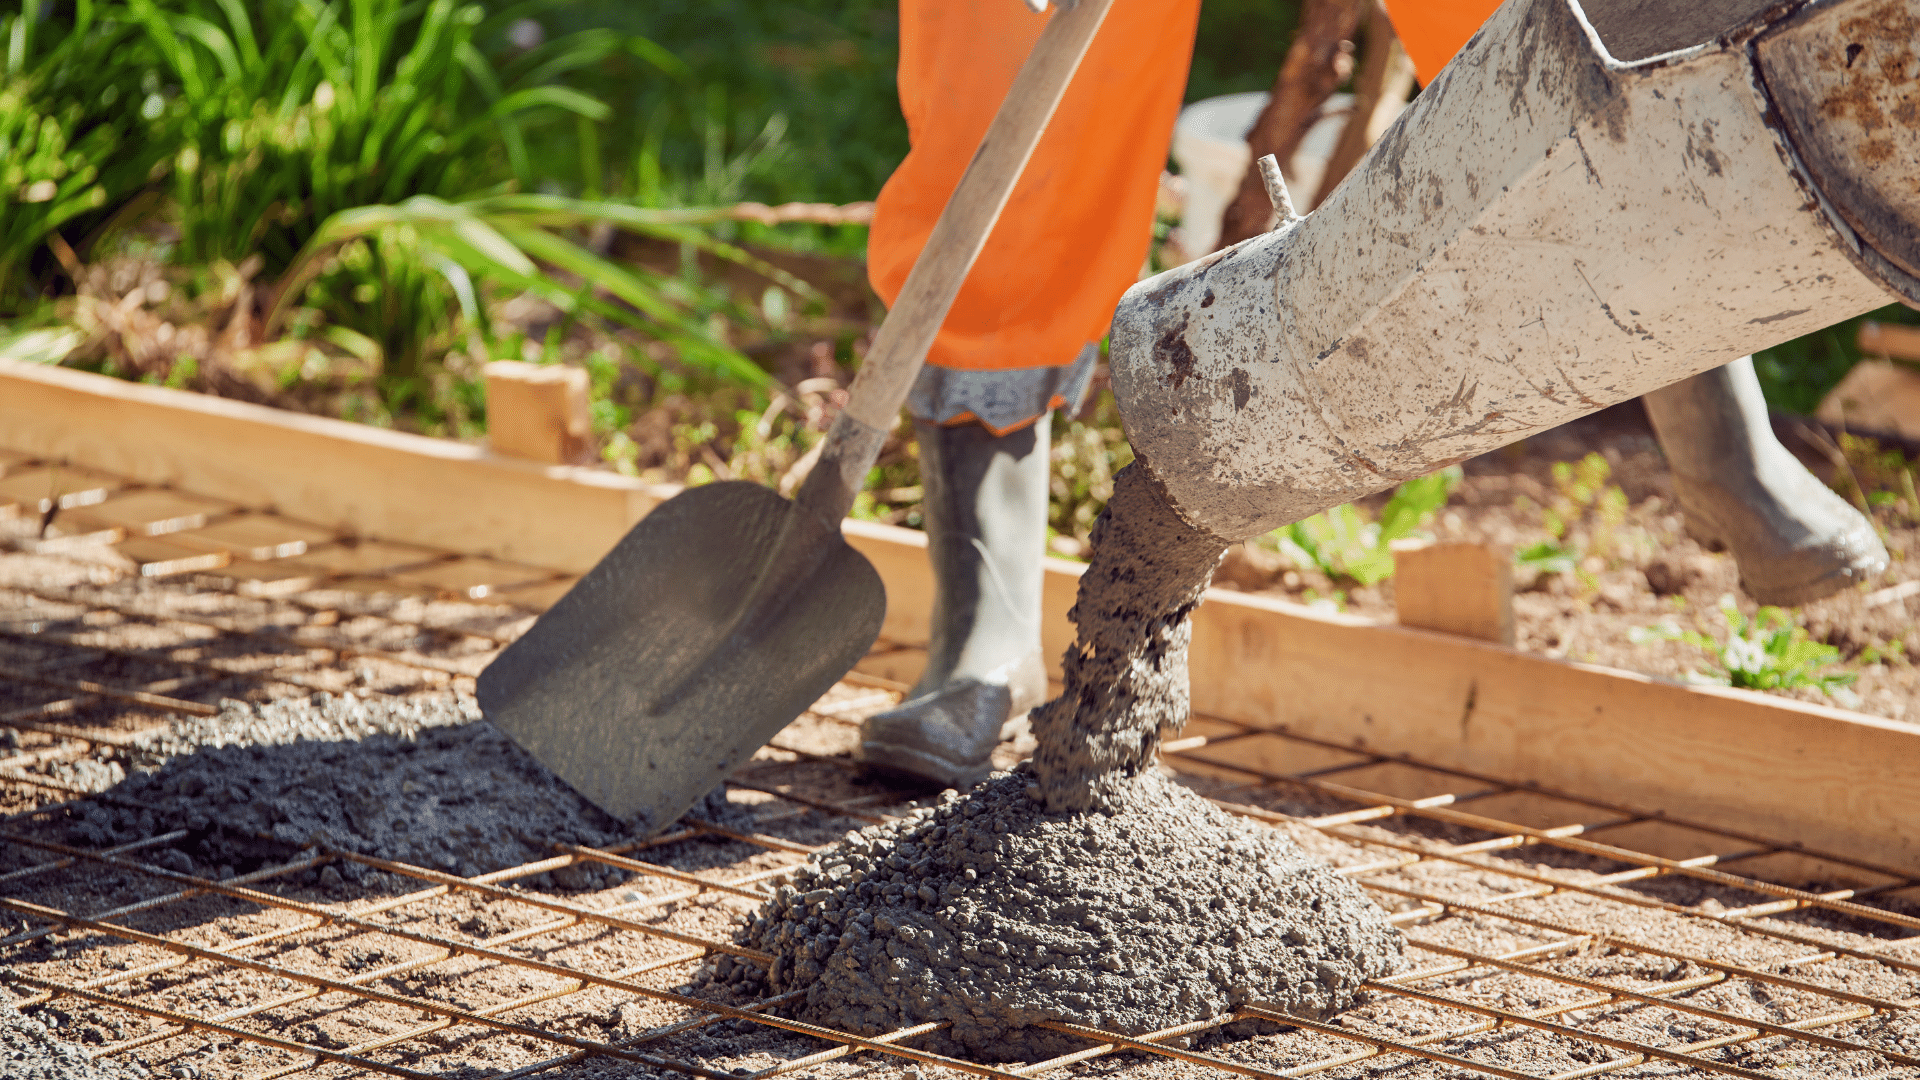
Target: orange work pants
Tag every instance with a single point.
(1077, 227)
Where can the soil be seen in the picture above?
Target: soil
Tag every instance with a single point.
(993, 914)
(1645, 571)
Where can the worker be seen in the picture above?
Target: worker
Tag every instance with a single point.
(1021, 340)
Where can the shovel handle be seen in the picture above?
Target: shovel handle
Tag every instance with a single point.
(900, 348)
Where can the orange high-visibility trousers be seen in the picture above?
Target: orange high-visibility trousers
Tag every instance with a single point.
(1077, 228)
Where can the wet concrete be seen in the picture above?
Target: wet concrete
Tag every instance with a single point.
(1086, 886)
(30, 1050)
(1126, 676)
(994, 913)
(420, 780)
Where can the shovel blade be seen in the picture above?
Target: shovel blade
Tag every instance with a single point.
(719, 618)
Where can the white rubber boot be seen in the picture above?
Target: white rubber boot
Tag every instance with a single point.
(985, 501)
(1792, 537)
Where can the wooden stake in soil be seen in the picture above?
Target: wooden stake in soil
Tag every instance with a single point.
(1459, 588)
(538, 411)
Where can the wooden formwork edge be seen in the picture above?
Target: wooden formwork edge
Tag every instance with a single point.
(353, 478)
(1829, 779)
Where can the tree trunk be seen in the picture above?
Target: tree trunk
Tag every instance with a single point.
(1386, 76)
(1318, 61)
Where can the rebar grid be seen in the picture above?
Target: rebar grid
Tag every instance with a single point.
(1582, 931)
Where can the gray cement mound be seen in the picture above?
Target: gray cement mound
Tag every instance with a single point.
(29, 1050)
(419, 780)
(1126, 675)
(994, 913)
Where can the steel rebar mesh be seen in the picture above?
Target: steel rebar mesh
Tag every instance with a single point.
(1549, 936)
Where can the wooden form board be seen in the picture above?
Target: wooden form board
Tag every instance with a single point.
(347, 477)
(1829, 779)
(538, 412)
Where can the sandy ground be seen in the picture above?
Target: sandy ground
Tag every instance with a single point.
(309, 951)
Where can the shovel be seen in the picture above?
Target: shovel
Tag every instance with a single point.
(728, 610)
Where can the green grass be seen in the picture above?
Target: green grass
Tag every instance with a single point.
(79, 101)
(294, 110)
(498, 239)
(365, 161)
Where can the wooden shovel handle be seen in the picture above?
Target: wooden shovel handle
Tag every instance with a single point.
(901, 346)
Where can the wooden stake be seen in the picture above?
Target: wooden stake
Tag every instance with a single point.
(538, 411)
(1876, 396)
(1455, 588)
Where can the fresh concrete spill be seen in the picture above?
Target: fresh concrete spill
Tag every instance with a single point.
(417, 780)
(1126, 674)
(1085, 887)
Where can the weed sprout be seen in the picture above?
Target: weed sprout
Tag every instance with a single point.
(1769, 651)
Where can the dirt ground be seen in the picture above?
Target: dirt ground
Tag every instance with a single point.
(542, 969)
(1645, 570)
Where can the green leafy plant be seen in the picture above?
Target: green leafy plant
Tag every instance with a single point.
(498, 239)
(1874, 476)
(1087, 450)
(82, 127)
(330, 140)
(1547, 557)
(1583, 495)
(1343, 543)
(1584, 518)
(1769, 651)
(295, 110)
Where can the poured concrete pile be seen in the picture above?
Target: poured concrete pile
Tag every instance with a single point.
(993, 913)
(418, 780)
(1087, 887)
